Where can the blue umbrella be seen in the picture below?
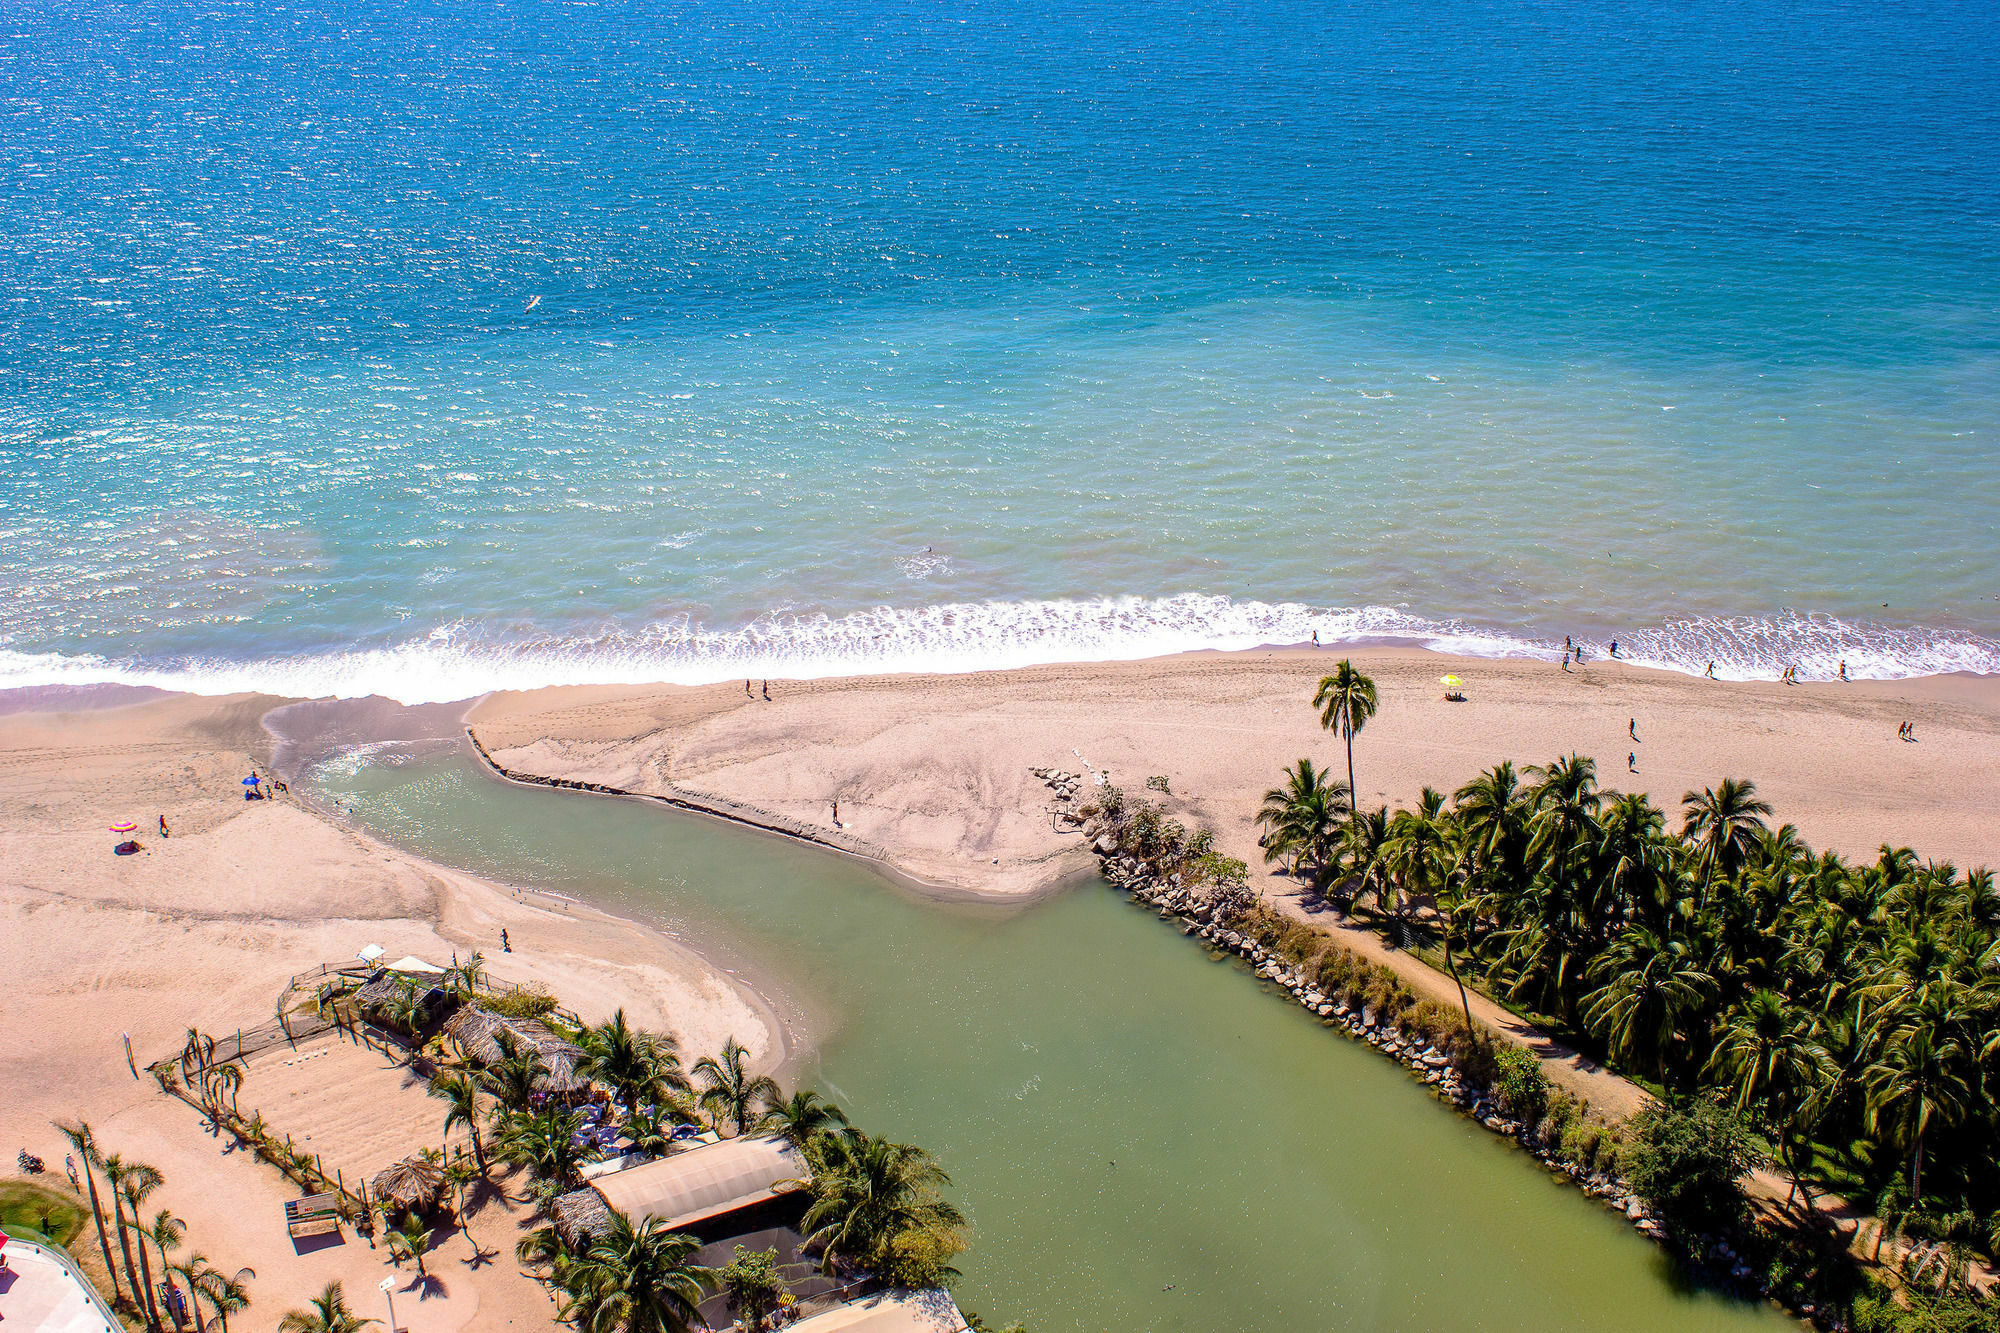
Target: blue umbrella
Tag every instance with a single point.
(250, 781)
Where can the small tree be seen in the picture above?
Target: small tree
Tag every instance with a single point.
(1686, 1162)
(1521, 1084)
(752, 1284)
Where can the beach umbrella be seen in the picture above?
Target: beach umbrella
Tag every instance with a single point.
(125, 826)
(1447, 680)
(251, 781)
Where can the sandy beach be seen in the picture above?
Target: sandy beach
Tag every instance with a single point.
(933, 773)
(202, 929)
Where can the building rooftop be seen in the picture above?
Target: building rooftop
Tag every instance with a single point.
(706, 1182)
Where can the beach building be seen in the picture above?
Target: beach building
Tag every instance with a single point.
(43, 1291)
(749, 1192)
(483, 1036)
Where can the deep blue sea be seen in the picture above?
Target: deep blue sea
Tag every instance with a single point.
(430, 347)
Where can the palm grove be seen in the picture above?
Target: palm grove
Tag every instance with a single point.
(1851, 1013)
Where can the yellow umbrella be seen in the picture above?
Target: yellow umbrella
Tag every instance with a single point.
(1447, 680)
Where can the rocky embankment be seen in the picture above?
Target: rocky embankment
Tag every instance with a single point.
(1198, 916)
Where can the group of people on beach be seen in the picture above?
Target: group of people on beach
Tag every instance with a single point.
(749, 693)
(1907, 732)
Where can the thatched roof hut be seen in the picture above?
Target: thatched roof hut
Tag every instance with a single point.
(410, 1183)
(580, 1217)
(483, 1036)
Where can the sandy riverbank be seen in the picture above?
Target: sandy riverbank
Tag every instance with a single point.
(932, 773)
(203, 928)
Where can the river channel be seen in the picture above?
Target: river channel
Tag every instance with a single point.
(1144, 1137)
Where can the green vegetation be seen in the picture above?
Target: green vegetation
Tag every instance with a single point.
(1847, 1017)
(1687, 1162)
(522, 1002)
(752, 1284)
(35, 1209)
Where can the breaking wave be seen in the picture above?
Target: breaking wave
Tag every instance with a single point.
(459, 661)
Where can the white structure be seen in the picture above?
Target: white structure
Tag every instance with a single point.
(48, 1293)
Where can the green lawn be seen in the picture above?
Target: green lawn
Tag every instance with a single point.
(25, 1203)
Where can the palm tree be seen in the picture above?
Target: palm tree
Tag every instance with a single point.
(542, 1141)
(1918, 1080)
(1419, 853)
(468, 978)
(225, 1295)
(136, 1182)
(1724, 822)
(165, 1232)
(1490, 810)
(83, 1142)
(1649, 986)
(512, 1078)
(412, 1238)
(1346, 701)
(1364, 852)
(634, 1279)
(869, 1194)
(328, 1314)
(1766, 1054)
(1305, 818)
(114, 1168)
(405, 1008)
(801, 1118)
(461, 1098)
(633, 1062)
(728, 1091)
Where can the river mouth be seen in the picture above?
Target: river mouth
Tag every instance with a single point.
(1143, 1137)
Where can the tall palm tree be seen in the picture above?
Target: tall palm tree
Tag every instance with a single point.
(1724, 822)
(1919, 1080)
(869, 1194)
(136, 1183)
(728, 1091)
(165, 1232)
(1420, 853)
(633, 1062)
(83, 1142)
(461, 1098)
(1364, 852)
(114, 1168)
(511, 1079)
(1490, 809)
(1346, 701)
(635, 1279)
(1765, 1053)
(1305, 819)
(327, 1313)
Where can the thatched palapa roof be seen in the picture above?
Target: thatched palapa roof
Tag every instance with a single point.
(483, 1035)
(410, 1183)
(580, 1217)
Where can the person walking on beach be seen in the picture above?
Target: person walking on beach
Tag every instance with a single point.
(1843, 668)
(1710, 673)
(163, 826)
(1565, 659)
(505, 946)
(748, 693)
(1632, 762)
(767, 689)
(836, 812)
(1632, 727)
(1315, 638)
(1614, 647)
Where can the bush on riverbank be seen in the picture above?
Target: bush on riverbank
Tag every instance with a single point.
(1687, 1162)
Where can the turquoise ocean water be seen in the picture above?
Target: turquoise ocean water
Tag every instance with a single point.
(434, 347)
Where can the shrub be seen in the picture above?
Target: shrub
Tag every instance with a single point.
(1335, 967)
(1686, 1162)
(1523, 1088)
(1477, 1059)
(526, 1002)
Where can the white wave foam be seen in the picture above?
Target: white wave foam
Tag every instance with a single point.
(457, 662)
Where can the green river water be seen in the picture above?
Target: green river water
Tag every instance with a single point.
(1144, 1137)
